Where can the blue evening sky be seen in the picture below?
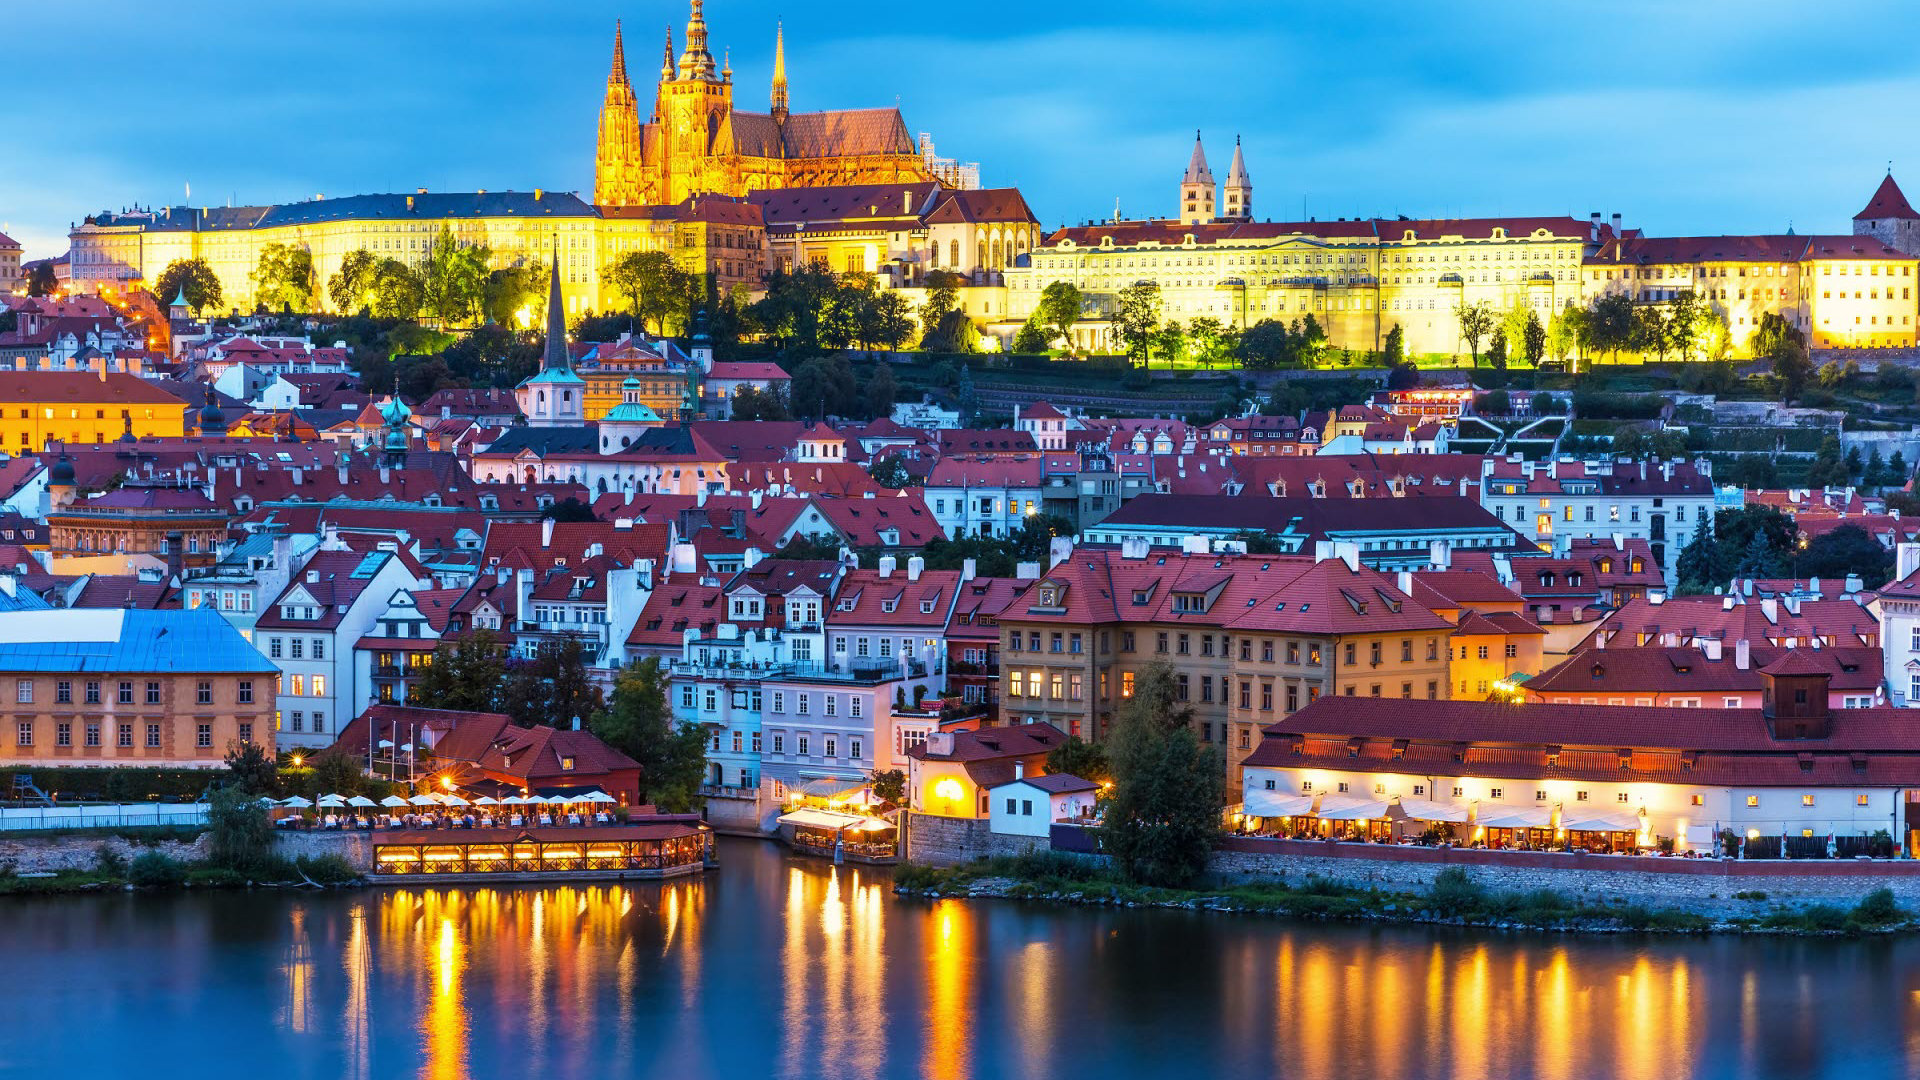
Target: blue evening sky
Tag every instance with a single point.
(1686, 117)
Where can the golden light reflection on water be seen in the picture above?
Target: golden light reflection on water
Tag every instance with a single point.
(296, 1011)
(444, 1027)
(949, 964)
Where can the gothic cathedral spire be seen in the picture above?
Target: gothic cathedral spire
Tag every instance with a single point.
(696, 62)
(666, 62)
(1196, 188)
(556, 358)
(1237, 201)
(779, 73)
(618, 156)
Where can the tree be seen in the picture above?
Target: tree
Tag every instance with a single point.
(1171, 342)
(1135, 319)
(1687, 318)
(880, 391)
(1206, 335)
(1077, 757)
(890, 472)
(1829, 469)
(42, 281)
(1533, 339)
(1395, 352)
(1309, 341)
(654, 286)
(513, 296)
(351, 286)
(1608, 325)
(1476, 322)
(955, 333)
(1564, 331)
(1847, 550)
(1168, 790)
(1760, 560)
(890, 321)
(1497, 350)
(552, 687)
(1513, 323)
(283, 278)
(1896, 475)
(965, 400)
(1649, 332)
(569, 509)
(454, 278)
(637, 722)
(1060, 306)
(251, 769)
(1030, 340)
(941, 298)
(1698, 567)
(396, 292)
(825, 386)
(195, 277)
(239, 832)
(465, 675)
(337, 773)
(1856, 466)
(751, 404)
(814, 547)
(890, 785)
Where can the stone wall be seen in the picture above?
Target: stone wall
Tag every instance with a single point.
(735, 816)
(946, 841)
(355, 847)
(1703, 885)
(77, 851)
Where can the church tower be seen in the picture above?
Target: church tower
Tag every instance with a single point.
(1889, 218)
(1236, 203)
(1196, 188)
(554, 396)
(618, 161)
(695, 116)
(779, 74)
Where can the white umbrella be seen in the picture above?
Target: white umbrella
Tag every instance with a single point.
(515, 800)
(427, 799)
(332, 801)
(296, 802)
(265, 801)
(386, 744)
(601, 797)
(359, 800)
(454, 800)
(486, 800)
(393, 800)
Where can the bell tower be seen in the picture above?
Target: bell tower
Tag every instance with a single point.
(1237, 201)
(1196, 188)
(695, 112)
(618, 160)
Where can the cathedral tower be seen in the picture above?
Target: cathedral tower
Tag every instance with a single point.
(779, 73)
(618, 162)
(1236, 203)
(1197, 188)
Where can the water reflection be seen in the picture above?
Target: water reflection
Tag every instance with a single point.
(785, 968)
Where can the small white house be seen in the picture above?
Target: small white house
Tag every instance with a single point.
(1028, 805)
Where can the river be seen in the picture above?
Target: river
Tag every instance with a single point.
(774, 966)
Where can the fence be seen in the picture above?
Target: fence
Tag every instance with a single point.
(102, 816)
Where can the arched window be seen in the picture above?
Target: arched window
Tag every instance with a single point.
(541, 398)
(953, 259)
(979, 259)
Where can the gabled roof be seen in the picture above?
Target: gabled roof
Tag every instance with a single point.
(1888, 202)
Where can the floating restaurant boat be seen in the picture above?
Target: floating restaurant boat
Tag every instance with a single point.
(663, 846)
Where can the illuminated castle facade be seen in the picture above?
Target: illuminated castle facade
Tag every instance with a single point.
(696, 142)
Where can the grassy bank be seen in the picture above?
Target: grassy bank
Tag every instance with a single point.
(157, 871)
(1454, 898)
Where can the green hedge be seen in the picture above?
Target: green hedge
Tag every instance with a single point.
(114, 784)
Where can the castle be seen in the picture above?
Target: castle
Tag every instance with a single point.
(697, 143)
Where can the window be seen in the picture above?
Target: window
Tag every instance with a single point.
(153, 736)
(25, 734)
(1807, 799)
(1753, 801)
(63, 734)
(298, 647)
(273, 648)
(23, 691)
(92, 735)
(123, 736)
(1076, 688)
(1860, 799)
(853, 749)
(1495, 793)
(833, 706)
(204, 693)
(755, 742)
(296, 686)
(93, 691)
(124, 694)
(203, 736)
(804, 747)
(1161, 643)
(779, 744)
(245, 693)
(1126, 684)
(319, 686)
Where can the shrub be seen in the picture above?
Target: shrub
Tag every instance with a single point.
(108, 862)
(156, 870)
(1751, 894)
(327, 869)
(1878, 908)
(240, 833)
(214, 877)
(1455, 892)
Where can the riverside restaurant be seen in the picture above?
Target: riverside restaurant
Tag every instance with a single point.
(665, 845)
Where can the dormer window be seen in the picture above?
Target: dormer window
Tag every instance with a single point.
(926, 607)
(889, 606)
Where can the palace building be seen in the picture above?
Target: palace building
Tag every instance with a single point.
(697, 143)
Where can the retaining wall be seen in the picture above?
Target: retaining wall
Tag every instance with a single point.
(44, 854)
(947, 841)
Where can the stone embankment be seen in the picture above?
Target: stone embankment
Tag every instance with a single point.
(80, 850)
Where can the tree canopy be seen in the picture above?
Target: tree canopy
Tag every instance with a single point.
(638, 723)
(1169, 789)
(195, 277)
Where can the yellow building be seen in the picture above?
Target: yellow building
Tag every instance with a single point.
(83, 407)
(1357, 278)
(1843, 292)
(696, 142)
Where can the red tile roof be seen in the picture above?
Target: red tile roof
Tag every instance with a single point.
(1682, 669)
(1888, 202)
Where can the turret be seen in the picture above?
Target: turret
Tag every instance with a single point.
(1197, 188)
(696, 62)
(617, 158)
(1236, 203)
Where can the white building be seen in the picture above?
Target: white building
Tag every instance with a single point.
(1029, 805)
(1557, 501)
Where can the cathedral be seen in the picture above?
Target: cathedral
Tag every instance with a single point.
(697, 143)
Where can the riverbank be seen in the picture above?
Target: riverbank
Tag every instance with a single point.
(1455, 897)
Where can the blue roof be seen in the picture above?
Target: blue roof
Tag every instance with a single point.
(113, 641)
(21, 598)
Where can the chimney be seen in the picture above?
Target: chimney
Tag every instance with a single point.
(1906, 560)
(1616, 224)
(1348, 552)
(340, 469)
(1854, 584)
(1710, 648)
(915, 564)
(546, 532)
(523, 594)
(1026, 571)
(1404, 581)
(1741, 656)
(969, 569)
(700, 497)
(1770, 607)
(1439, 555)
(299, 477)
(886, 566)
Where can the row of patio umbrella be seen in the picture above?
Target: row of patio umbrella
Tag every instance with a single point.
(430, 798)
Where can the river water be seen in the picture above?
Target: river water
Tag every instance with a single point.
(775, 966)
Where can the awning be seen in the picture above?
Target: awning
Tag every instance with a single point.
(1426, 810)
(1350, 808)
(1515, 817)
(829, 788)
(1600, 822)
(1265, 804)
(823, 819)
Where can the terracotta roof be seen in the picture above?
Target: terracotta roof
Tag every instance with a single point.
(674, 608)
(1888, 202)
(1653, 669)
(867, 599)
(1004, 742)
(79, 387)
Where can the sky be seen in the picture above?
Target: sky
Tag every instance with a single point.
(1702, 116)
